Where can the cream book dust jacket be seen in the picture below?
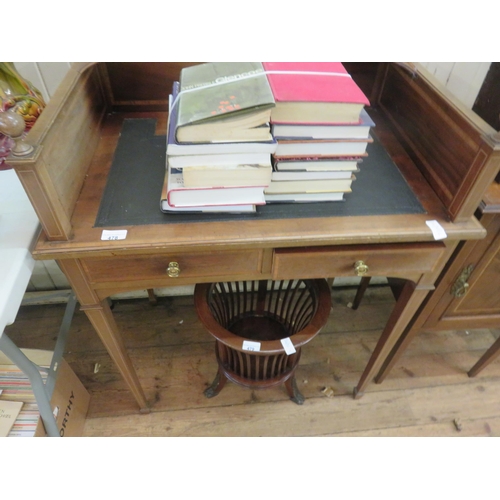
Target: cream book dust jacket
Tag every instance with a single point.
(9, 410)
(214, 91)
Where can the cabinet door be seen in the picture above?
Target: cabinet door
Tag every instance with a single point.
(473, 302)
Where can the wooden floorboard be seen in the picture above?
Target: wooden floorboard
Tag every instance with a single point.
(427, 392)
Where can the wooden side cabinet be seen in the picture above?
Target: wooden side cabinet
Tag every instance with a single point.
(468, 293)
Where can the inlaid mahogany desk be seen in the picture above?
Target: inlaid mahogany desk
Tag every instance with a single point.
(446, 154)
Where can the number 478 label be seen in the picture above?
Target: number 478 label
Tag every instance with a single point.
(250, 346)
(119, 234)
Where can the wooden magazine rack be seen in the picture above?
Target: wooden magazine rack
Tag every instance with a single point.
(446, 153)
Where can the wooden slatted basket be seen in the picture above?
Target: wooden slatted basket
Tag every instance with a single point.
(249, 320)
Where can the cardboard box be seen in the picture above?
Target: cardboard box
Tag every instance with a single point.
(70, 400)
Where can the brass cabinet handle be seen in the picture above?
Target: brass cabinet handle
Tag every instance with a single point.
(460, 287)
(173, 270)
(360, 268)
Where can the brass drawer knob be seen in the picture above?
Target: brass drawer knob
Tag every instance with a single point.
(460, 287)
(173, 270)
(360, 268)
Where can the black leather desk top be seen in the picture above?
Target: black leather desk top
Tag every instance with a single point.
(133, 190)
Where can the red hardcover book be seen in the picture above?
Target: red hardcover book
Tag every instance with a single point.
(314, 92)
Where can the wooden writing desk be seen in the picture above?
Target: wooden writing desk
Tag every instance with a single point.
(447, 155)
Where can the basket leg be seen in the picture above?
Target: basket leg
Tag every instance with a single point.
(217, 385)
(293, 391)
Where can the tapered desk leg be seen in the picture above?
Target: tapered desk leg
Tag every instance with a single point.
(396, 352)
(363, 285)
(417, 322)
(491, 354)
(101, 317)
(102, 320)
(408, 302)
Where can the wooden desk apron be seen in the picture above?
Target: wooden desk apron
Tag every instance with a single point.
(110, 275)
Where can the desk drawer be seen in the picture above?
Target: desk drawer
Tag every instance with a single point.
(191, 266)
(396, 260)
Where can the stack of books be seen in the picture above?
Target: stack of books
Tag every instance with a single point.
(219, 141)
(17, 393)
(321, 128)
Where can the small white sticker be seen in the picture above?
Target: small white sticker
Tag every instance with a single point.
(119, 234)
(250, 346)
(437, 229)
(288, 346)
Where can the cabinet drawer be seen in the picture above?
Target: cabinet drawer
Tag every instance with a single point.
(396, 260)
(191, 266)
